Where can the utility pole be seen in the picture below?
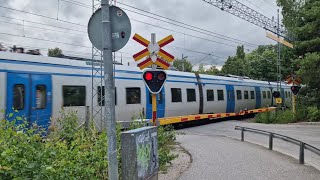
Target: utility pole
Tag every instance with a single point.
(109, 91)
(278, 62)
(182, 58)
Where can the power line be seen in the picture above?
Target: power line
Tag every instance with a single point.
(43, 16)
(24, 25)
(248, 44)
(258, 7)
(227, 38)
(184, 33)
(184, 23)
(28, 37)
(33, 22)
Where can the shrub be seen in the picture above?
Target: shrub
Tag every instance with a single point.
(69, 153)
(280, 117)
(313, 114)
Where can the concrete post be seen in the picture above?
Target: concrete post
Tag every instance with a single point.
(139, 154)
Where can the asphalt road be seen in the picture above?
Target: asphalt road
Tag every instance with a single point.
(218, 154)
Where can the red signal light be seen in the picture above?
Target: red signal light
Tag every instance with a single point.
(148, 76)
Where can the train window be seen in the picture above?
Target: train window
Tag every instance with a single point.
(133, 95)
(101, 98)
(264, 95)
(286, 94)
(252, 94)
(41, 96)
(210, 95)
(18, 96)
(269, 94)
(239, 95)
(74, 95)
(246, 95)
(220, 95)
(159, 98)
(176, 95)
(191, 95)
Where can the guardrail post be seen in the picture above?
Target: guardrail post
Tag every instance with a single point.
(301, 155)
(242, 134)
(270, 141)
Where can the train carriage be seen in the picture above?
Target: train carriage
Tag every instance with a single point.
(38, 87)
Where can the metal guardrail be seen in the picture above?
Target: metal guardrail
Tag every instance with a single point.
(279, 136)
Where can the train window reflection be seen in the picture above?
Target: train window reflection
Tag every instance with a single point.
(269, 94)
(18, 96)
(191, 95)
(246, 95)
(210, 95)
(41, 96)
(252, 94)
(239, 95)
(220, 95)
(133, 95)
(264, 95)
(74, 95)
(176, 95)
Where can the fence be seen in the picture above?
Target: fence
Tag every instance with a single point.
(272, 135)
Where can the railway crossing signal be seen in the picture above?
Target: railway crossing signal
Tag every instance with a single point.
(295, 89)
(154, 51)
(276, 94)
(154, 80)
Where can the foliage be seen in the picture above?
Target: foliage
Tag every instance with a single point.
(182, 65)
(301, 19)
(278, 117)
(313, 114)
(56, 52)
(70, 153)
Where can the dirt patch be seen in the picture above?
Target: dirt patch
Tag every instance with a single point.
(178, 166)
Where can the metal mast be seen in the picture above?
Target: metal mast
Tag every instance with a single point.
(244, 12)
(97, 113)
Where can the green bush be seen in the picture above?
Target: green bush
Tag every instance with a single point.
(279, 117)
(67, 153)
(313, 114)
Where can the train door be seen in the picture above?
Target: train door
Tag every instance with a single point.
(18, 97)
(41, 102)
(29, 96)
(258, 97)
(230, 98)
(160, 104)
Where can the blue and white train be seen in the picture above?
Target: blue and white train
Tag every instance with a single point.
(39, 86)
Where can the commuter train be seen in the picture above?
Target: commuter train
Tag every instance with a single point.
(38, 87)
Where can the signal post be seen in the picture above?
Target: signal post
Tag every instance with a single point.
(154, 79)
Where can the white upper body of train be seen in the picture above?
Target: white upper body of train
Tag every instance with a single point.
(38, 87)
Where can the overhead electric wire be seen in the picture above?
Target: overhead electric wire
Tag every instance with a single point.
(43, 16)
(258, 7)
(28, 37)
(44, 24)
(185, 23)
(24, 25)
(217, 35)
(253, 45)
(184, 33)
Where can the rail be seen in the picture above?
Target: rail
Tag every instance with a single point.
(272, 135)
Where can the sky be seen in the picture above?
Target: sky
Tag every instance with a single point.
(63, 24)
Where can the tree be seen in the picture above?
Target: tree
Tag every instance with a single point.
(56, 52)
(301, 19)
(182, 65)
(212, 70)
